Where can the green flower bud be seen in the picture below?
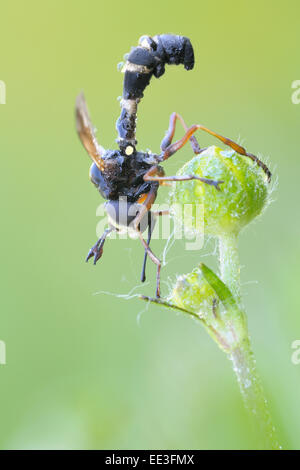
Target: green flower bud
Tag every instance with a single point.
(201, 293)
(193, 293)
(242, 196)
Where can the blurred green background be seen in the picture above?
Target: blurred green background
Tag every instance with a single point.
(98, 371)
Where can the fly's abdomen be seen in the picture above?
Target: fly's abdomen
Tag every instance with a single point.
(147, 59)
(173, 50)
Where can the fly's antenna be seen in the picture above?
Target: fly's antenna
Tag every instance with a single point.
(147, 59)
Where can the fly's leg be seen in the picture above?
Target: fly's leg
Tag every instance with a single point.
(151, 175)
(167, 140)
(97, 250)
(173, 148)
(155, 260)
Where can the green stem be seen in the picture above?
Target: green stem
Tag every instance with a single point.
(230, 264)
(243, 363)
(242, 357)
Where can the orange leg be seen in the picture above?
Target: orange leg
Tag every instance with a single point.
(146, 206)
(167, 140)
(171, 149)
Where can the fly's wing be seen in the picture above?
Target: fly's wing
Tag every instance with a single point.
(86, 132)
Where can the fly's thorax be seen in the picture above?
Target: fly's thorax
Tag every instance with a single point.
(123, 176)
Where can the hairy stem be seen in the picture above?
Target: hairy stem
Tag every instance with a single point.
(244, 366)
(241, 355)
(230, 265)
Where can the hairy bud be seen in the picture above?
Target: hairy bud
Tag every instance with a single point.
(242, 196)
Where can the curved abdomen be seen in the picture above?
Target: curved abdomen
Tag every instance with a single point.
(147, 59)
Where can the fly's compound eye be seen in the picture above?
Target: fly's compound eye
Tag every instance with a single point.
(121, 214)
(95, 175)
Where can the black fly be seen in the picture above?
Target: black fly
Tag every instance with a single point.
(129, 179)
